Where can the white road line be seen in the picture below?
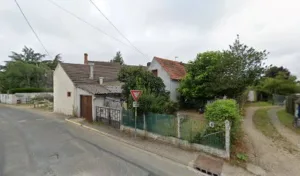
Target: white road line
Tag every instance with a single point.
(22, 121)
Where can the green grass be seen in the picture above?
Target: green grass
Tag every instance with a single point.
(190, 127)
(263, 123)
(287, 120)
(259, 104)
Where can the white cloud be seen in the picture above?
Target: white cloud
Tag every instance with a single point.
(166, 28)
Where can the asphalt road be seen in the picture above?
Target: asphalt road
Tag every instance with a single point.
(35, 145)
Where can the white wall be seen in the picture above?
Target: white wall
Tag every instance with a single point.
(8, 98)
(61, 85)
(171, 85)
(174, 94)
(252, 96)
(161, 73)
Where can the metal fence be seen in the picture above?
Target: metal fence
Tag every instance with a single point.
(182, 127)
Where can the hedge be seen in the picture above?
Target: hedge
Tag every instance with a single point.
(222, 110)
(29, 90)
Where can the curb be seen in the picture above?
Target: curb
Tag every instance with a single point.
(188, 165)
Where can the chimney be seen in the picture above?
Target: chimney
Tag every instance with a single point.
(101, 80)
(91, 70)
(86, 61)
(148, 64)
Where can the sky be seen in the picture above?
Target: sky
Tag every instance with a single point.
(163, 28)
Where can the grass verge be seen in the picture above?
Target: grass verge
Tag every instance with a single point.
(287, 120)
(263, 123)
(259, 104)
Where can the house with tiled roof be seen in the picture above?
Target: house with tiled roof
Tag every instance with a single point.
(79, 88)
(171, 72)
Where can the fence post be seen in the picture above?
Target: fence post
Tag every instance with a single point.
(227, 138)
(144, 119)
(178, 126)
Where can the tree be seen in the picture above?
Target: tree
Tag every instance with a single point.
(278, 85)
(27, 69)
(27, 55)
(154, 98)
(274, 71)
(53, 63)
(218, 73)
(118, 58)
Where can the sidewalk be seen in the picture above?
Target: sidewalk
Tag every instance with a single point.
(162, 149)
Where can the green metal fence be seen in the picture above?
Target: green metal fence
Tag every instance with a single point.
(162, 124)
(128, 119)
(191, 129)
(216, 140)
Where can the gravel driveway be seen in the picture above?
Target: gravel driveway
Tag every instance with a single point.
(273, 156)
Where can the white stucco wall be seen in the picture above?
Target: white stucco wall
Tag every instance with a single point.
(171, 85)
(61, 85)
(161, 73)
(174, 94)
(8, 98)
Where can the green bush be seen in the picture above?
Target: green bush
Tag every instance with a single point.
(29, 90)
(222, 110)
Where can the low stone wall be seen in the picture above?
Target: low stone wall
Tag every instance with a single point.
(179, 142)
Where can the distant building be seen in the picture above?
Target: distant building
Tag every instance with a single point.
(171, 72)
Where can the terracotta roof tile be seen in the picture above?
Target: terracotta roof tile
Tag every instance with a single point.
(176, 70)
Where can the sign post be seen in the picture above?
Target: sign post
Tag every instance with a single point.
(135, 95)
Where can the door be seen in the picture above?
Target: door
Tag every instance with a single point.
(86, 110)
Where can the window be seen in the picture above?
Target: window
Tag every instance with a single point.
(69, 94)
(154, 72)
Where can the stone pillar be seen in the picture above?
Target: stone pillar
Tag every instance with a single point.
(227, 138)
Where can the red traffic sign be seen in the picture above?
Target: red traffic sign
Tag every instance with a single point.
(136, 94)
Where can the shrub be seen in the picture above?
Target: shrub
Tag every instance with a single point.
(222, 110)
(43, 97)
(29, 90)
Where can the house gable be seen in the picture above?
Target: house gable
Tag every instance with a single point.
(63, 92)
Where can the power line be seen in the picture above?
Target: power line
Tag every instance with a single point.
(84, 21)
(31, 27)
(117, 29)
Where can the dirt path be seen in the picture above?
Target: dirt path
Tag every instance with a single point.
(273, 156)
(291, 136)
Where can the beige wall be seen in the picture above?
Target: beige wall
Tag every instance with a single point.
(61, 85)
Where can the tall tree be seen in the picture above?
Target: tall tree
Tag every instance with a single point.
(27, 69)
(216, 73)
(274, 71)
(27, 55)
(118, 58)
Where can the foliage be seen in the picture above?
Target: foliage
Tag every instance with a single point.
(29, 90)
(27, 69)
(274, 71)
(279, 85)
(154, 98)
(222, 110)
(137, 78)
(215, 73)
(242, 156)
(118, 58)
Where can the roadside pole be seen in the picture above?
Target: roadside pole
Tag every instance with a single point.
(135, 95)
(135, 122)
